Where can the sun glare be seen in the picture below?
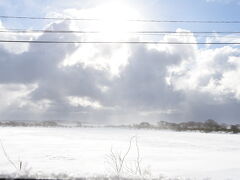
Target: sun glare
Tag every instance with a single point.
(114, 20)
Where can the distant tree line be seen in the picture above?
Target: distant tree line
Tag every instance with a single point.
(37, 124)
(208, 126)
(28, 123)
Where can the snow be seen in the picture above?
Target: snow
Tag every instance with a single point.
(83, 152)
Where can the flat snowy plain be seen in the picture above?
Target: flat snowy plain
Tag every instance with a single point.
(81, 152)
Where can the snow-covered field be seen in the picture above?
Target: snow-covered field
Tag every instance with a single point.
(84, 152)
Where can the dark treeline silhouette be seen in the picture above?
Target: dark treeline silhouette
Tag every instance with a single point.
(207, 126)
(28, 123)
(37, 124)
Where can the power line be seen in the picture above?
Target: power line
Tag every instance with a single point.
(133, 20)
(175, 35)
(119, 42)
(152, 33)
(162, 33)
(99, 32)
(49, 18)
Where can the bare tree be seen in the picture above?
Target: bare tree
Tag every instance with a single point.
(121, 166)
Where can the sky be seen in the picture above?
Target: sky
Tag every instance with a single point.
(120, 83)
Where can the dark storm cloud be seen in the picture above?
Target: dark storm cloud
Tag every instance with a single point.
(40, 65)
(142, 83)
(140, 92)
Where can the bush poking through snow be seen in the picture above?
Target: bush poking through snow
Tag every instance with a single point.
(121, 167)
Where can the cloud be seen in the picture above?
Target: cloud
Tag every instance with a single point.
(213, 71)
(210, 83)
(84, 102)
(40, 65)
(11, 47)
(119, 83)
(142, 81)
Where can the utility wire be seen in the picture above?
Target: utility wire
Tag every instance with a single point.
(118, 42)
(100, 32)
(133, 20)
(162, 33)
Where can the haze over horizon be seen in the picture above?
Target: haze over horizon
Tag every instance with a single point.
(122, 82)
